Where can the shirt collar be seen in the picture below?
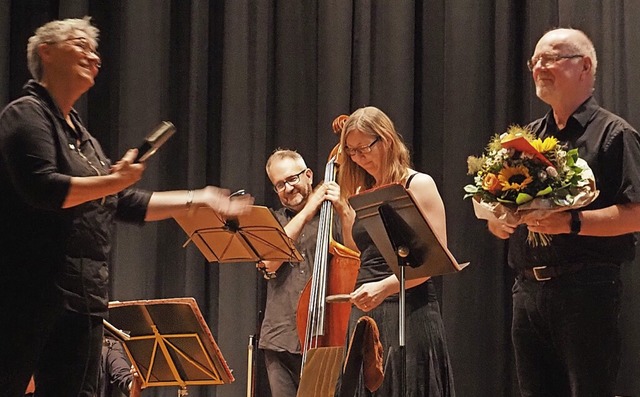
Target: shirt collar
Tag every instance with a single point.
(290, 213)
(582, 114)
(32, 87)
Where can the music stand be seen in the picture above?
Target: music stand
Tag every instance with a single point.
(252, 237)
(168, 343)
(405, 239)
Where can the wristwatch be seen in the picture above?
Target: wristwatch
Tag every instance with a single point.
(576, 223)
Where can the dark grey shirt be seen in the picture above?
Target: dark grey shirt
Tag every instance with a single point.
(279, 332)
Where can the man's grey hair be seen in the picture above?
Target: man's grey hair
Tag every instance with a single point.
(586, 48)
(55, 32)
(583, 46)
(281, 154)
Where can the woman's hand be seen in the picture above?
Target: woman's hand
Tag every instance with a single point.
(220, 200)
(126, 170)
(368, 296)
(122, 174)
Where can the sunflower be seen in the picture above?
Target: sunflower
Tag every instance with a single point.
(544, 146)
(515, 178)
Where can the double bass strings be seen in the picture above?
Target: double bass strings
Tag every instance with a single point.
(316, 313)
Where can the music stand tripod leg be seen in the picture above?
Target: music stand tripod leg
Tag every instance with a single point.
(401, 323)
(400, 239)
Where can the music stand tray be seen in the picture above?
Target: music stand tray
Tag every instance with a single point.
(169, 343)
(252, 237)
(412, 226)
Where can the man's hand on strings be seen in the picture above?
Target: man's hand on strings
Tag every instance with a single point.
(332, 193)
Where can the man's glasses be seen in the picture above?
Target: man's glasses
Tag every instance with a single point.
(547, 59)
(362, 149)
(83, 45)
(290, 180)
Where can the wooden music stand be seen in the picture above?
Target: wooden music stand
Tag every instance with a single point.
(251, 237)
(168, 343)
(405, 239)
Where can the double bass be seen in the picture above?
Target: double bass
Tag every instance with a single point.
(320, 324)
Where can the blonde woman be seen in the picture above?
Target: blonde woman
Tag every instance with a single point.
(373, 155)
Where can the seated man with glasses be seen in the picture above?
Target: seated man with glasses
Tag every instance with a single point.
(293, 182)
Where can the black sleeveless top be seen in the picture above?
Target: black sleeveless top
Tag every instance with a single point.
(373, 267)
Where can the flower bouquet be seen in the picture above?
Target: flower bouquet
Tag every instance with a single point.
(521, 177)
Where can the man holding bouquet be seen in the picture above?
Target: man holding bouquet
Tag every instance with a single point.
(566, 296)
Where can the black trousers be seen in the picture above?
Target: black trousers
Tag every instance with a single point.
(565, 334)
(61, 348)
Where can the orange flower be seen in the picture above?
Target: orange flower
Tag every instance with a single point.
(491, 183)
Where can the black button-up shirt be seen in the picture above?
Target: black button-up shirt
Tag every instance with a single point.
(44, 245)
(611, 147)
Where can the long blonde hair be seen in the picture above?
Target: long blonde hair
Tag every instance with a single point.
(396, 163)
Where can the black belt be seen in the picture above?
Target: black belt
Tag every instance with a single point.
(545, 273)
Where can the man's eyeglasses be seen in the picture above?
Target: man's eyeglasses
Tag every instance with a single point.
(547, 59)
(362, 149)
(83, 45)
(290, 180)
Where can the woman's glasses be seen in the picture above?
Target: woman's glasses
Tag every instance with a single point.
(83, 45)
(362, 149)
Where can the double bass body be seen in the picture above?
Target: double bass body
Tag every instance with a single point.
(341, 278)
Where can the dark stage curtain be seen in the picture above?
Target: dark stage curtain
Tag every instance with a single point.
(240, 78)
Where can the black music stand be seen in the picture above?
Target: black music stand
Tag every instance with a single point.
(405, 239)
(252, 237)
(168, 343)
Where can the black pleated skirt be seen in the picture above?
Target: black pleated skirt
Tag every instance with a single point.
(428, 368)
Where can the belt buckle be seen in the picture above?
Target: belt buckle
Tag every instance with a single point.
(535, 273)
